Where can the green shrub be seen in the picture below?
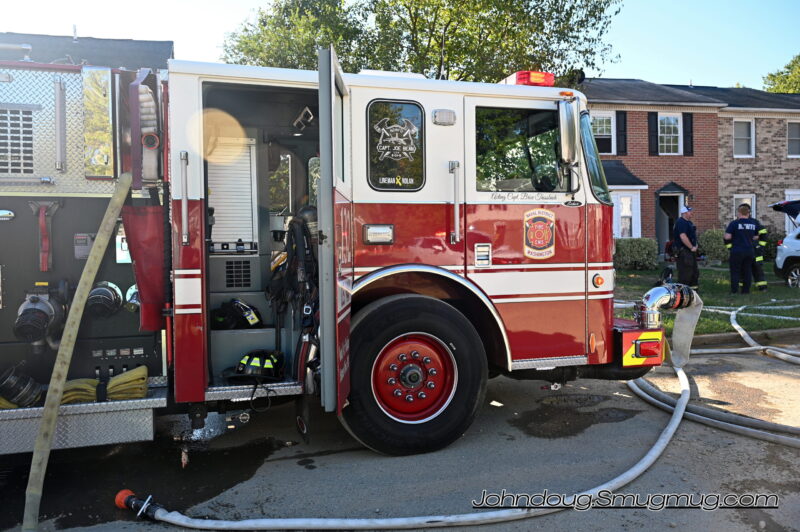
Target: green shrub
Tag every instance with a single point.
(712, 245)
(772, 242)
(636, 254)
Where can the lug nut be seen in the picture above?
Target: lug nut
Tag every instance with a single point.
(426, 360)
(409, 398)
(431, 385)
(414, 354)
(392, 380)
(398, 393)
(422, 395)
(402, 357)
(432, 372)
(392, 367)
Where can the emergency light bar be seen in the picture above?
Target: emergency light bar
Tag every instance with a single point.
(529, 77)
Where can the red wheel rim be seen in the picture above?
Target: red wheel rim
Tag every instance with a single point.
(414, 378)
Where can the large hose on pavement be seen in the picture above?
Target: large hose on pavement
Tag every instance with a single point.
(127, 499)
(47, 426)
(754, 428)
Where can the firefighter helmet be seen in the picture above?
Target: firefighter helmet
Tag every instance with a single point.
(262, 364)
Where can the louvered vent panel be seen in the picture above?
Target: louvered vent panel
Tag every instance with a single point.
(237, 274)
(16, 141)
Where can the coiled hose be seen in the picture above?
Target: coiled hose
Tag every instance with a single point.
(47, 426)
(728, 421)
(128, 385)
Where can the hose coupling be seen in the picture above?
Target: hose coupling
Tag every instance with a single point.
(664, 297)
(142, 507)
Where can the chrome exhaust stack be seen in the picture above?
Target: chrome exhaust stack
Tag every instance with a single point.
(664, 297)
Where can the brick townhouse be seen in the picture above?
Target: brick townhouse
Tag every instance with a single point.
(659, 145)
(759, 150)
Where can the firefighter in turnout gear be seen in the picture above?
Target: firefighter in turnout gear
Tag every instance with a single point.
(740, 238)
(759, 278)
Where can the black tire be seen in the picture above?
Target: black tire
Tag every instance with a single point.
(388, 326)
(793, 275)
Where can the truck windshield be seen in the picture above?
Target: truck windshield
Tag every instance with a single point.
(593, 163)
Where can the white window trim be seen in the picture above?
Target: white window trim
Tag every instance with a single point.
(636, 211)
(613, 116)
(679, 116)
(737, 200)
(752, 122)
(789, 155)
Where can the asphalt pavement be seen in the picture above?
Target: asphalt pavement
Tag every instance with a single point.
(525, 439)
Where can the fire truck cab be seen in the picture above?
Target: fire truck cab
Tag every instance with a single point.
(464, 230)
(383, 241)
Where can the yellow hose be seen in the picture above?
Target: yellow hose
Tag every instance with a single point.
(129, 385)
(47, 427)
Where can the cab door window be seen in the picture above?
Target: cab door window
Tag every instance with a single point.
(517, 150)
(396, 146)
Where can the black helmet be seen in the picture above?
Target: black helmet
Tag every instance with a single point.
(262, 364)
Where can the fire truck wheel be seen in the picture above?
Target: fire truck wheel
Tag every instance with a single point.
(417, 375)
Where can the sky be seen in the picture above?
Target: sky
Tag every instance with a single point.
(705, 42)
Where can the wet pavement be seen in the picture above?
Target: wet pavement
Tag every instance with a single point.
(524, 439)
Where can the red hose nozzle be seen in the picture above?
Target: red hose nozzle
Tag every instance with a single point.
(122, 497)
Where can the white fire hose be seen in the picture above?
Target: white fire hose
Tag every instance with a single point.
(754, 428)
(683, 332)
(685, 323)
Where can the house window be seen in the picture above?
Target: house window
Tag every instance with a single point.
(670, 140)
(603, 131)
(627, 218)
(794, 139)
(743, 138)
(16, 141)
(749, 199)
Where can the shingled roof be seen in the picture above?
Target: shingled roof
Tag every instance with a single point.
(744, 97)
(114, 53)
(617, 174)
(633, 91)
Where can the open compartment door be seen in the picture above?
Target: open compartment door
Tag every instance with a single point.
(335, 242)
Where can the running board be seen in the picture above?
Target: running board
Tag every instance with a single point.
(245, 392)
(83, 424)
(549, 363)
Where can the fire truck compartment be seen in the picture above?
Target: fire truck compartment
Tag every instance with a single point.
(261, 151)
(84, 424)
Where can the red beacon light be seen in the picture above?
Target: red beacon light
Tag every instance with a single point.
(529, 77)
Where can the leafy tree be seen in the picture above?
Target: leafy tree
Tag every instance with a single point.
(469, 40)
(785, 80)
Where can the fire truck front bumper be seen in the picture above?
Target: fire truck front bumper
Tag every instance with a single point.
(637, 347)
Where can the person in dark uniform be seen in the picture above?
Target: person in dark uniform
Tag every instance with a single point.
(684, 240)
(740, 237)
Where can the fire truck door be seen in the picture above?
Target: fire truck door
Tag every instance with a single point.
(335, 224)
(525, 229)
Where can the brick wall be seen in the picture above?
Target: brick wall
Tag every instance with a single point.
(698, 174)
(767, 175)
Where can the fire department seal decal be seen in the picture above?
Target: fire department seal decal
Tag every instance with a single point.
(397, 140)
(540, 234)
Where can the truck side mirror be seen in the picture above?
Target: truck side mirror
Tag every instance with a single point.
(568, 135)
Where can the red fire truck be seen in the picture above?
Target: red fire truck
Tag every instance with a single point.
(381, 241)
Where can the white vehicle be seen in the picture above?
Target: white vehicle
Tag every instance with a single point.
(787, 259)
